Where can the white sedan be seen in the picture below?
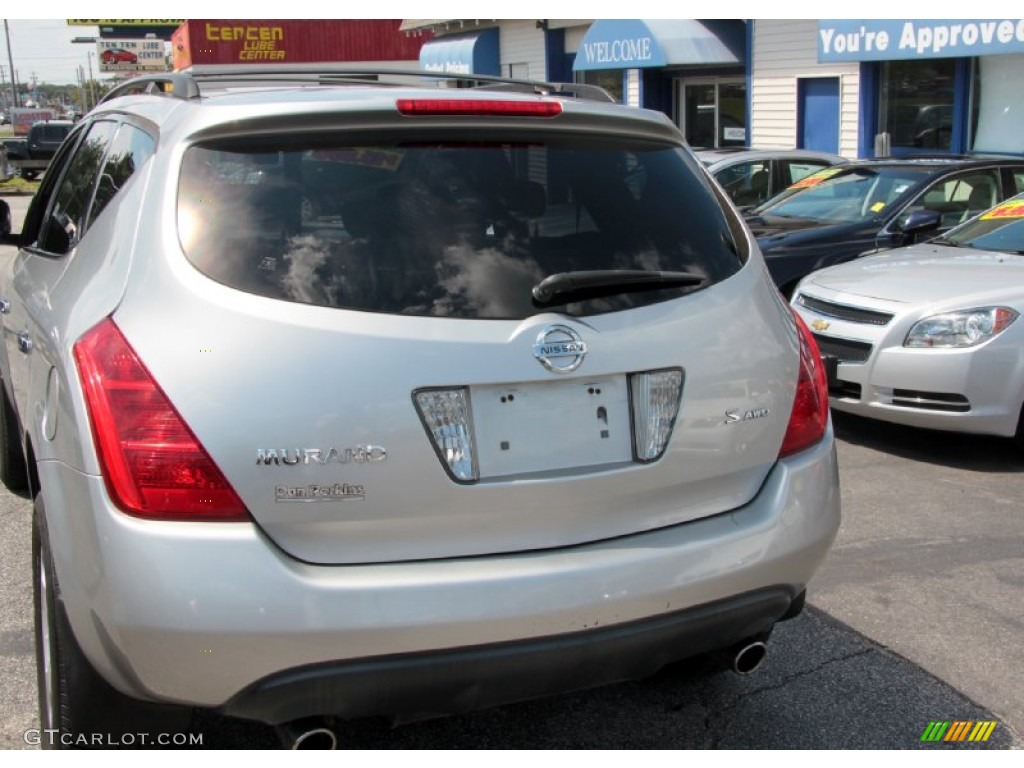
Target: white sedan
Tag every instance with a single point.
(929, 335)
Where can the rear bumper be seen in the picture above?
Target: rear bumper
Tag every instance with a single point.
(417, 686)
(214, 615)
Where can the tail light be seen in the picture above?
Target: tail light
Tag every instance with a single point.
(153, 465)
(809, 418)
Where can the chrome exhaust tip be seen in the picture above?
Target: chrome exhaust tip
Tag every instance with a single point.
(308, 734)
(749, 657)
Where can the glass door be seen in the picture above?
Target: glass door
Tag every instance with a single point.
(713, 113)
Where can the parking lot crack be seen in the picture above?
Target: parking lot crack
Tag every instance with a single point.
(796, 676)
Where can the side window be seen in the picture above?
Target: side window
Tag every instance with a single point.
(961, 197)
(65, 223)
(1018, 181)
(129, 150)
(41, 201)
(746, 183)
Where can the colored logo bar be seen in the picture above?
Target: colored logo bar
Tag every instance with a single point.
(958, 730)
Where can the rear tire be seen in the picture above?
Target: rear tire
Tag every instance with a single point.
(13, 470)
(78, 709)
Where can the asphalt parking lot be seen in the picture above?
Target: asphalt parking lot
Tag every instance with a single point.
(916, 616)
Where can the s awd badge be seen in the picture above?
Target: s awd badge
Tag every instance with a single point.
(733, 416)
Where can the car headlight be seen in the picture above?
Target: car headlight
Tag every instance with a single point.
(966, 328)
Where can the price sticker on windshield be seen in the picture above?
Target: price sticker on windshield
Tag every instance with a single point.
(815, 178)
(1011, 210)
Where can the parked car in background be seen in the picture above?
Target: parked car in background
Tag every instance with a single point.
(467, 438)
(31, 156)
(863, 206)
(929, 335)
(752, 176)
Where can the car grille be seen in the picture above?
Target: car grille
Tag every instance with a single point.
(843, 312)
(846, 350)
(930, 401)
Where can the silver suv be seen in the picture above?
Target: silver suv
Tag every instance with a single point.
(339, 398)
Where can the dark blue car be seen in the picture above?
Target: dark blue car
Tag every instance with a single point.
(864, 206)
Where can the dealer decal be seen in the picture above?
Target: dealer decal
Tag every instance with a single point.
(815, 178)
(1011, 210)
(315, 493)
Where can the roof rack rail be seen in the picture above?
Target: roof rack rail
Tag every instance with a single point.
(578, 90)
(186, 85)
(168, 84)
(484, 82)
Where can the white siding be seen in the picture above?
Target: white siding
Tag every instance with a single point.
(573, 38)
(785, 50)
(563, 23)
(632, 95)
(521, 42)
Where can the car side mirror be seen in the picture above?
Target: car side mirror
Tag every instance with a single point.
(918, 222)
(910, 227)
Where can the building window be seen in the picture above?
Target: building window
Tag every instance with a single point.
(916, 104)
(714, 114)
(997, 103)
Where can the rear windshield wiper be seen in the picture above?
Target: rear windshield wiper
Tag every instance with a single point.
(590, 284)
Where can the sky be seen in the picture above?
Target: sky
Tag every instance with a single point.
(44, 47)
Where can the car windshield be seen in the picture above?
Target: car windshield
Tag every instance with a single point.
(450, 229)
(998, 229)
(844, 194)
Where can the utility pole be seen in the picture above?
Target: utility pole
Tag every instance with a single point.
(81, 89)
(92, 91)
(10, 60)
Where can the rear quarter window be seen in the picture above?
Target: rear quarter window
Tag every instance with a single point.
(447, 229)
(130, 149)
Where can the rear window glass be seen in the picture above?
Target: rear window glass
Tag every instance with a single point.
(447, 229)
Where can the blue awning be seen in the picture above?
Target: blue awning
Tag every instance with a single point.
(639, 43)
(472, 54)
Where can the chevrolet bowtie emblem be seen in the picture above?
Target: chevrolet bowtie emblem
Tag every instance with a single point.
(820, 325)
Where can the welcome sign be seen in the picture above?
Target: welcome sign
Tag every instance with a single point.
(889, 39)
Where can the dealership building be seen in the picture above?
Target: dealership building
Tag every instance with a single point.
(896, 86)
